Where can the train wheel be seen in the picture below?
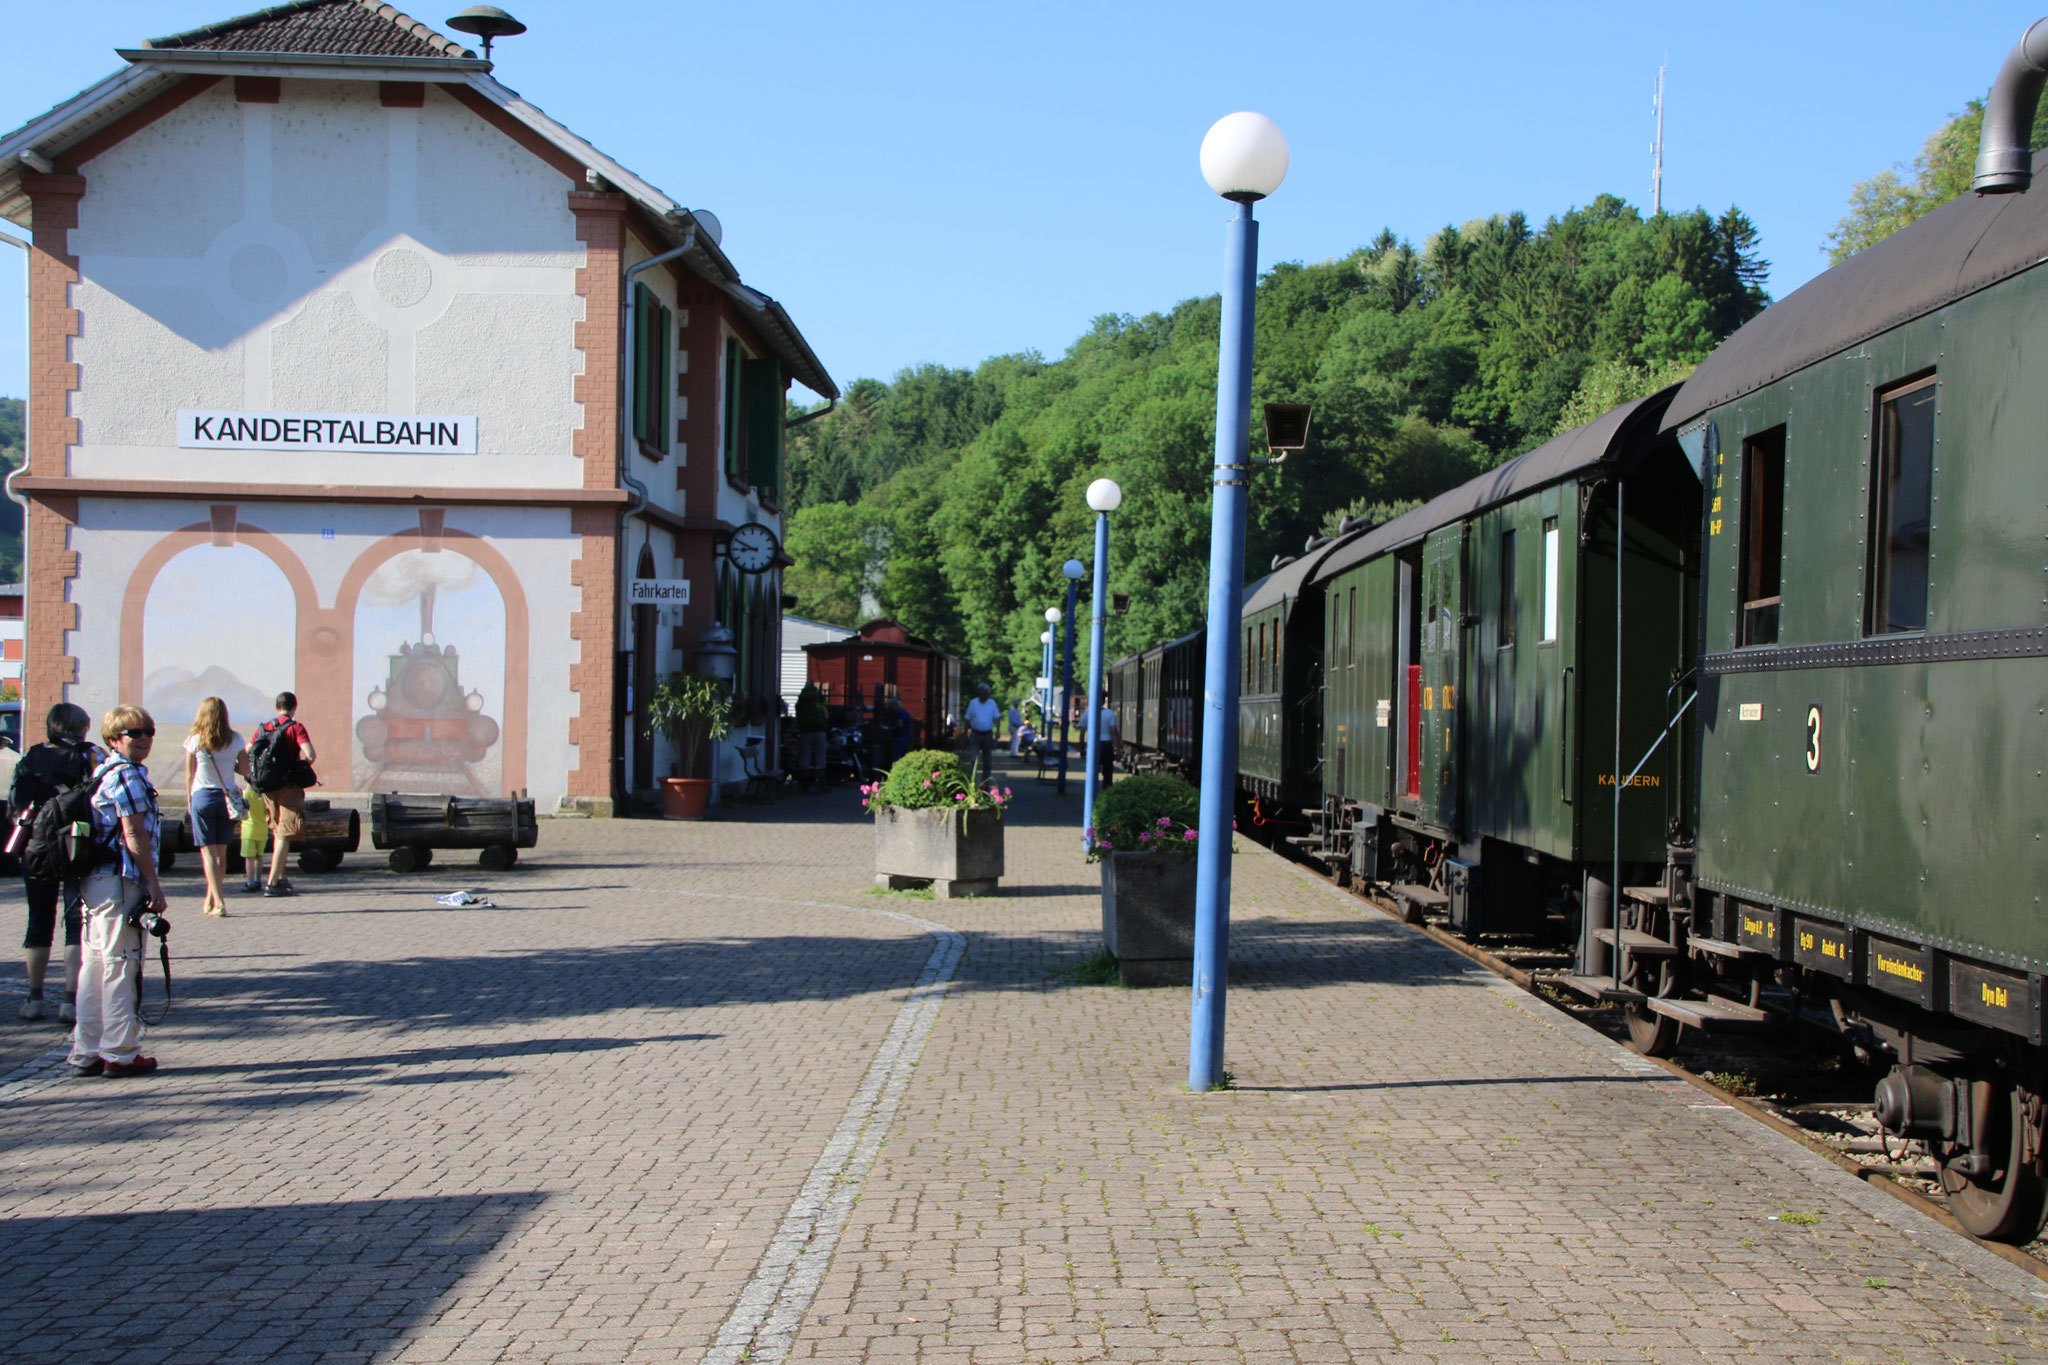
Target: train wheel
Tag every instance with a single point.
(316, 860)
(497, 857)
(1650, 1033)
(2010, 1203)
(410, 859)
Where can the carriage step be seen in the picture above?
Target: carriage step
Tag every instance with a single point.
(1637, 943)
(1719, 947)
(1415, 893)
(1601, 988)
(1647, 895)
(1313, 842)
(1712, 1015)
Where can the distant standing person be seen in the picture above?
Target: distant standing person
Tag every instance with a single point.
(120, 888)
(1105, 747)
(214, 755)
(66, 760)
(281, 761)
(1016, 727)
(813, 719)
(982, 717)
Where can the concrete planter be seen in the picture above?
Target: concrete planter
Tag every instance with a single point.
(1148, 917)
(959, 852)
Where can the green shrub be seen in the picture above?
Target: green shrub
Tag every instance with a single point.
(1146, 813)
(924, 779)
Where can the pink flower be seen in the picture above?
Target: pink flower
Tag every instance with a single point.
(1162, 822)
(1104, 843)
(1089, 834)
(959, 796)
(935, 772)
(1190, 836)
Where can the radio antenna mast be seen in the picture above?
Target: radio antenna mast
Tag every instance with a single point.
(1657, 149)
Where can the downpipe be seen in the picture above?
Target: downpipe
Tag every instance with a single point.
(27, 418)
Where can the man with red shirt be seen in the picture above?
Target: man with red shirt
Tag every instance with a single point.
(286, 806)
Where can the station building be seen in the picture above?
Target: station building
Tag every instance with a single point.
(329, 391)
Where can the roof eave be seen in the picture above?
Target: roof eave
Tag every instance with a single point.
(346, 65)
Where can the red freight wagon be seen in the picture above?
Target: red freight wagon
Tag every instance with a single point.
(885, 663)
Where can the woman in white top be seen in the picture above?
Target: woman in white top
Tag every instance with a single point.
(212, 753)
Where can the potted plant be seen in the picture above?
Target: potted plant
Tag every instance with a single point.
(934, 824)
(1144, 837)
(689, 708)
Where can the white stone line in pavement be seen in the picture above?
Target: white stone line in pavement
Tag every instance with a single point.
(764, 1321)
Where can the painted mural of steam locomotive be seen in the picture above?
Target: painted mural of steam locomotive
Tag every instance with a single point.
(1748, 679)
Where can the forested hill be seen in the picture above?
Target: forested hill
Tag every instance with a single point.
(949, 498)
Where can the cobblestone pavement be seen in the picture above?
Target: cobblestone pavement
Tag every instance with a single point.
(692, 1092)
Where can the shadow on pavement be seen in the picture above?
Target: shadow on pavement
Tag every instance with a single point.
(298, 1281)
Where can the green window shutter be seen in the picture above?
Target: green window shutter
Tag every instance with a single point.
(764, 425)
(664, 425)
(733, 467)
(643, 306)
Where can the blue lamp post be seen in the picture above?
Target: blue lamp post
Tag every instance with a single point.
(1104, 497)
(1045, 687)
(1073, 569)
(1244, 159)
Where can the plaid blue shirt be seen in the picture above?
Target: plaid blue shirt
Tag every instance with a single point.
(120, 788)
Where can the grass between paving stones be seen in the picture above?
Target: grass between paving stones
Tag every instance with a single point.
(1097, 969)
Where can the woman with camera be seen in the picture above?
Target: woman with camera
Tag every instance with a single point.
(121, 893)
(212, 752)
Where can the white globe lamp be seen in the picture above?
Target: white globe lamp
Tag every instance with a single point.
(1244, 157)
(1105, 496)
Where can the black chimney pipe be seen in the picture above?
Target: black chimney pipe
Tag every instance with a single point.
(2005, 161)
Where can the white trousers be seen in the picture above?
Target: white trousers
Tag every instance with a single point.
(108, 1027)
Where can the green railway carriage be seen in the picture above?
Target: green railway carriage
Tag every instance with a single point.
(1873, 693)
(1154, 695)
(1280, 691)
(1469, 739)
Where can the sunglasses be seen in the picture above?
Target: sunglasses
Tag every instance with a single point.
(138, 734)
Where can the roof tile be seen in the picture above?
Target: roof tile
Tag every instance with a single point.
(352, 28)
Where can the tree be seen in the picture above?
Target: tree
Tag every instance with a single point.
(1886, 202)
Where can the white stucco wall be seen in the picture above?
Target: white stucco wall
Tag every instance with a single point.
(220, 607)
(326, 254)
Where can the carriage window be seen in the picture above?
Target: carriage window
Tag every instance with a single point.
(1251, 662)
(1901, 509)
(1351, 627)
(1510, 607)
(1262, 657)
(1550, 553)
(1763, 535)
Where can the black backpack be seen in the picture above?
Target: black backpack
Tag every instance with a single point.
(61, 846)
(46, 770)
(274, 761)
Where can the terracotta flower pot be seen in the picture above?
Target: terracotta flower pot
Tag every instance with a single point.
(684, 798)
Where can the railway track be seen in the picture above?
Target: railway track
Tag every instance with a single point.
(1808, 1103)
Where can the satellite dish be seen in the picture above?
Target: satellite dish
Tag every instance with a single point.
(487, 22)
(708, 224)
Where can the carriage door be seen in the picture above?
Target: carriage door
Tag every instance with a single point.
(1443, 674)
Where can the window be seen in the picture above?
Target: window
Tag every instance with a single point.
(735, 462)
(654, 328)
(1250, 662)
(764, 424)
(1551, 548)
(1763, 536)
(1259, 679)
(1510, 605)
(1902, 506)
(1350, 619)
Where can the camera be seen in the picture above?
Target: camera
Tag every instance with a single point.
(151, 923)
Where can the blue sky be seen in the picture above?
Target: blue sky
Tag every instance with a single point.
(928, 182)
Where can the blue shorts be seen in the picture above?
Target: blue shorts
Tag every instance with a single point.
(211, 823)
